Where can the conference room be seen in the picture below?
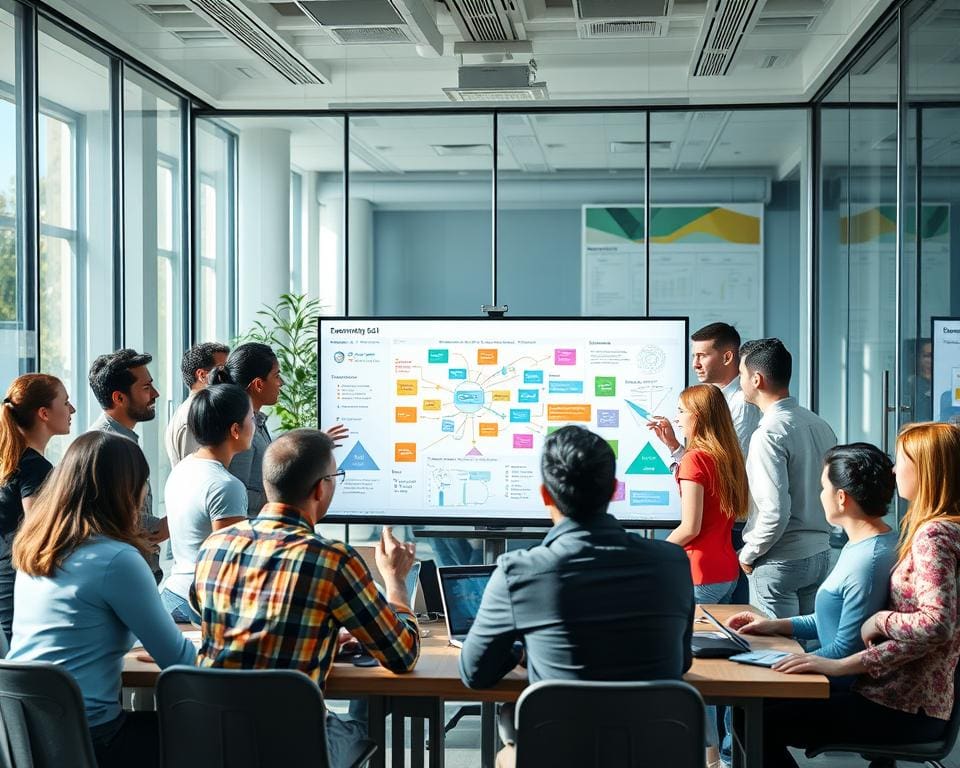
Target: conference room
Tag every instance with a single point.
(461, 227)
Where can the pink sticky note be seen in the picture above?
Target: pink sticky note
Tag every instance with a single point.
(621, 493)
(564, 357)
(523, 441)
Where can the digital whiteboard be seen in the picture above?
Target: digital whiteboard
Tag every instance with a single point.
(945, 385)
(448, 416)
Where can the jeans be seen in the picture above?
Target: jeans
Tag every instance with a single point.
(343, 731)
(178, 608)
(131, 739)
(719, 593)
(786, 588)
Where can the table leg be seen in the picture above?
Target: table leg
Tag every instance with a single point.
(416, 742)
(488, 734)
(435, 725)
(398, 742)
(753, 733)
(377, 730)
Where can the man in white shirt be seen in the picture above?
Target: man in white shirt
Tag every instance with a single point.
(196, 363)
(786, 538)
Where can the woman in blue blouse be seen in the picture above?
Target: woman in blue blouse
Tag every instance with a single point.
(858, 484)
(84, 592)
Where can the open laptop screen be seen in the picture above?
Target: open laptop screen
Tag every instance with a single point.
(462, 589)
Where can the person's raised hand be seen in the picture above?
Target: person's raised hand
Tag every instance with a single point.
(395, 558)
(663, 429)
(338, 433)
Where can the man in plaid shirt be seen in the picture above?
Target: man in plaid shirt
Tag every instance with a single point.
(273, 594)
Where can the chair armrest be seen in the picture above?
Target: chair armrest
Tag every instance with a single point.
(360, 753)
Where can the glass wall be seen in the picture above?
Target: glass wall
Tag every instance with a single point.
(154, 272)
(420, 207)
(215, 210)
(76, 269)
(569, 186)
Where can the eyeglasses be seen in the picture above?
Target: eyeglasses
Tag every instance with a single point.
(336, 477)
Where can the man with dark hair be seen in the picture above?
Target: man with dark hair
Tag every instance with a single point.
(196, 363)
(272, 593)
(591, 602)
(716, 360)
(124, 388)
(786, 539)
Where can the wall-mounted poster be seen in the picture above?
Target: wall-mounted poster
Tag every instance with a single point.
(706, 263)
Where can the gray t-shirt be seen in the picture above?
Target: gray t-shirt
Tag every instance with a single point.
(198, 492)
(178, 439)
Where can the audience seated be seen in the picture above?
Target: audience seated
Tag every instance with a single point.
(592, 602)
(714, 494)
(272, 593)
(201, 495)
(905, 692)
(35, 408)
(84, 591)
(196, 364)
(124, 388)
(858, 485)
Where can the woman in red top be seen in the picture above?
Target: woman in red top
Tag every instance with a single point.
(713, 492)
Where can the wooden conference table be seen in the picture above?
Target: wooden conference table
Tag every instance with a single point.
(420, 694)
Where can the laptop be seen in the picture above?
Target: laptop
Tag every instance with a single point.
(461, 589)
(706, 645)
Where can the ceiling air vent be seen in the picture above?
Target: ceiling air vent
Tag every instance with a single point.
(200, 36)
(234, 18)
(482, 21)
(725, 25)
(368, 35)
(593, 30)
(361, 22)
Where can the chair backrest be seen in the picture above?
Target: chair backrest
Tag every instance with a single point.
(42, 720)
(953, 725)
(213, 718)
(561, 723)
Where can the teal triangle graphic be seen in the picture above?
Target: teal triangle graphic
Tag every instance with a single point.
(358, 460)
(648, 462)
(644, 414)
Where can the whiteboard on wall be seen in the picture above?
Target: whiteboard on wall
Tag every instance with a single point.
(707, 263)
(945, 334)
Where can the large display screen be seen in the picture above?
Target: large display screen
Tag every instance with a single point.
(448, 417)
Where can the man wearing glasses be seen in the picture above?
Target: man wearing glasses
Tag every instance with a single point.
(272, 593)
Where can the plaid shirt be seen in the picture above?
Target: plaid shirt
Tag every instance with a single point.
(273, 594)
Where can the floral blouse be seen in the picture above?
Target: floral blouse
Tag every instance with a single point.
(913, 670)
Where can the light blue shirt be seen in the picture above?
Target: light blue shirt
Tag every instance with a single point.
(856, 588)
(786, 520)
(198, 492)
(86, 616)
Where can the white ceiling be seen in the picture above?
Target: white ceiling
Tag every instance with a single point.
(803, 39)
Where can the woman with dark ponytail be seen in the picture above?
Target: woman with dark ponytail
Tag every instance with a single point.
(254, 368)
(35, 408)
(201, 495)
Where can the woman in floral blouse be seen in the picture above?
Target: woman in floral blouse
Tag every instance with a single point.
(905, 691)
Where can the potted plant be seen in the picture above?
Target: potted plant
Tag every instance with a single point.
(290, 328)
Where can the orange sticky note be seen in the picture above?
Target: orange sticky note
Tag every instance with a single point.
(405, 452)
(489, 429)
(405, 415)
(568, 412)
(406, 387)
(486, 357)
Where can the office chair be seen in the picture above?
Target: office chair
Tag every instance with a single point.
(886, 755)
(562, 723)
(219, 717)
(42, 720)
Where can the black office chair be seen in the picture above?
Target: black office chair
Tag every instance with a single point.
(574, 723)
(244, 719)
(886, 755)
(42, 720)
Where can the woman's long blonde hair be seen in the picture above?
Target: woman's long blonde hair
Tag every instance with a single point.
(714, 434)
(934, 449)
(95, 490)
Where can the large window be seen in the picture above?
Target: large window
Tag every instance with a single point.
(216, 236)
(11, 255)
(76, 221)
(153, 246)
